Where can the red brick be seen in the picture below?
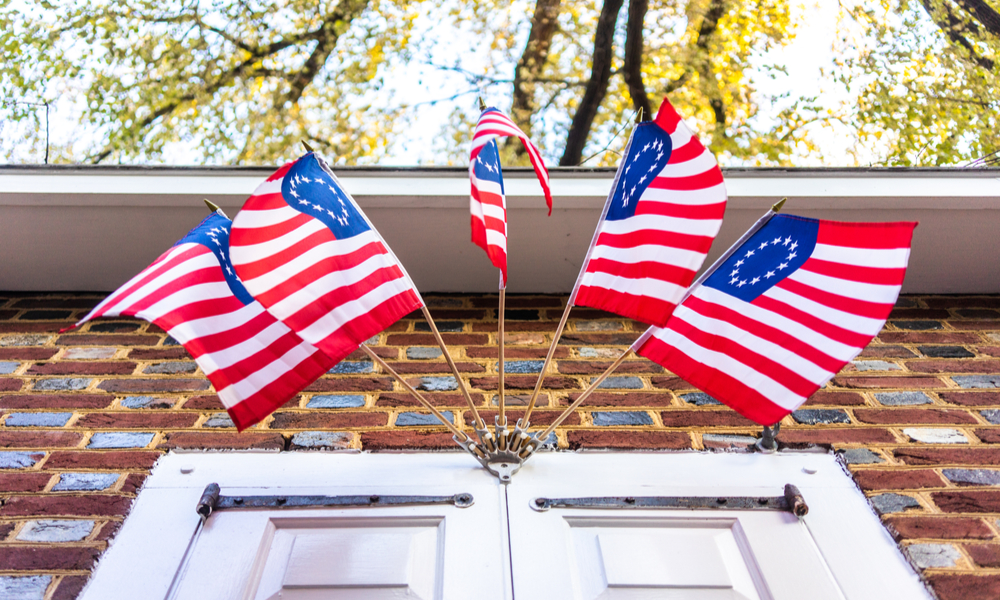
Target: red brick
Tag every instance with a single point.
(380, 351)
(581, 367)
(653, 399)
(921, 314)
(988, 436)
(984, 555)
(897, 479)
(587, 314)
(928, 337)
(5, 529)
(954, 366)
(111, 339)
(965, 587)
(623, 338)
(516, 326)
(222, 440)
(940, 527)
(907, 416)
(38, 439)
(7, 314)
(518, 302)
(91, 459)
(888, 382)
(407, 440)
(434, 367)
(427, 339)
(108, 531)
(984, 325)
(171, 353)
(524, 382)
(878, 351)
(436, 399)
(33, 326)
(9, 384)
(828, 398)
(840, 435)
(963, 301)
(57, 401)
(135, 385)
(990, 350)
(137, 420)
(328, 420)
(24, 482)
(514, 353)
(204, 403)
(984, 398)
(48, 558)
(446, 314)
(69, 587)
(972, 501)
(103, 505)
(352, 384)
(948, 456)
(538, 417)
(27, 353)
(133, 482)
(82, 368)
(629, 440)
(670, 382)
(704, 418)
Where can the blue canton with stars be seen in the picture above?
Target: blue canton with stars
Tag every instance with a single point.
(776, 251)
(213, 233)
(308, 188)
(487, 164)
(647, 155)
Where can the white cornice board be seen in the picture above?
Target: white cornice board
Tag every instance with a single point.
(92, 229)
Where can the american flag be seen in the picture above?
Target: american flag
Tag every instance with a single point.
(304, 250)
(254, 361)
(489, 206)
(784, 313)
(659, 222)
(494, 124)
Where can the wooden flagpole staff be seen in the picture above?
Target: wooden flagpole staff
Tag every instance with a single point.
(502, 418)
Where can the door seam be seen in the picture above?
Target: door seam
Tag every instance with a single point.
(510, 547)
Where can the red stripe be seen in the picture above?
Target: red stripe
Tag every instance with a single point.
(683, 211)
(761, 363)
(349, 336)
(844, 336)
(180, 285)
(709, 178)
(689, 151)
(265, 202)
(321, 306)
(284, 169)
(641, 270)
(258, 235)
(872, 275)
(656, 237)
(484, 197)
(866, 235)
(743, 399)
(255, 361)
(276, 260)
(862, 308)
(667, 117)
(764, 331)
(214, 342)
(646, 309)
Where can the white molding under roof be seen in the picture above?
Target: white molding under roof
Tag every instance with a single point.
(92, 228)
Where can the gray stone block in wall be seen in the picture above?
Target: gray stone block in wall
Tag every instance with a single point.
(977, 381)
(19, 460)
(699, 399)
(120, 439)
(37, 419)
(523, 366)
(7, 367)
(973, 476)
(88, 482)
(147, 402)
(351, 366)
(621, 417)
(419, 353)
(861, 456)
(62, 384)
(902, 398)
(336, 401)
(410, 419)
(323, 440)
(893, 503)
(926, 556)
(437, 384)
(31, 587)
(820, 416)
(624, 382)
(59, 530)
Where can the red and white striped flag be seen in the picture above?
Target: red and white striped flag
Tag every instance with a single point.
(488, 205)
(784, 312)
(305, 250)
(659, 222)
(255, 362)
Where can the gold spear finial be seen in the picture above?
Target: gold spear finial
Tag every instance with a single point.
(307, 146)
(777, 206)
(482, 105)
(212, 206)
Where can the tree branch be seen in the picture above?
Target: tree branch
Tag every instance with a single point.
(632, 71)
(953, 26)
(597, 87)
(530, 65)
(984, 13)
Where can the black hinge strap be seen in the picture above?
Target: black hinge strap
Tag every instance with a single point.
(792, 501)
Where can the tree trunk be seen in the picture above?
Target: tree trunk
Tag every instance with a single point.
(597, 87)
(529, 67)
(632, 71)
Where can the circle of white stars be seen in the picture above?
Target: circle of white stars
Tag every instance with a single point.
(656, 146)
(788, 242)
(342, 218)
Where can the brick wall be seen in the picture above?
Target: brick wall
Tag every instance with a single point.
(86, 414)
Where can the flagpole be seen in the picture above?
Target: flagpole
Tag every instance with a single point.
(502, 419)
(524, 421)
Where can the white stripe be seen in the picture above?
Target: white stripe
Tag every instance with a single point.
(255, 219)
(193, 293)
(687, 259)
(839, 318)
(710, 195)
(869, 292)
(250, 253)
(202, 261)
(259, 379)
(705, 227)
(496, 238)
(268, 187)
(653, 288)
(696, 166)
(317, 288)
(786, 358)
(227, 357)
(491, 187)
(493, 211)
(681, 136)
(285, 272)
(198, 328)
(828, 346)
(764, 385)
(348, 311)
(892, 258)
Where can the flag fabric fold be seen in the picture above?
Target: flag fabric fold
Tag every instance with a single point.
(255, 362)
(305, 250)
(488, 206)
(659, 222)
(784, 313)
(492, 125)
